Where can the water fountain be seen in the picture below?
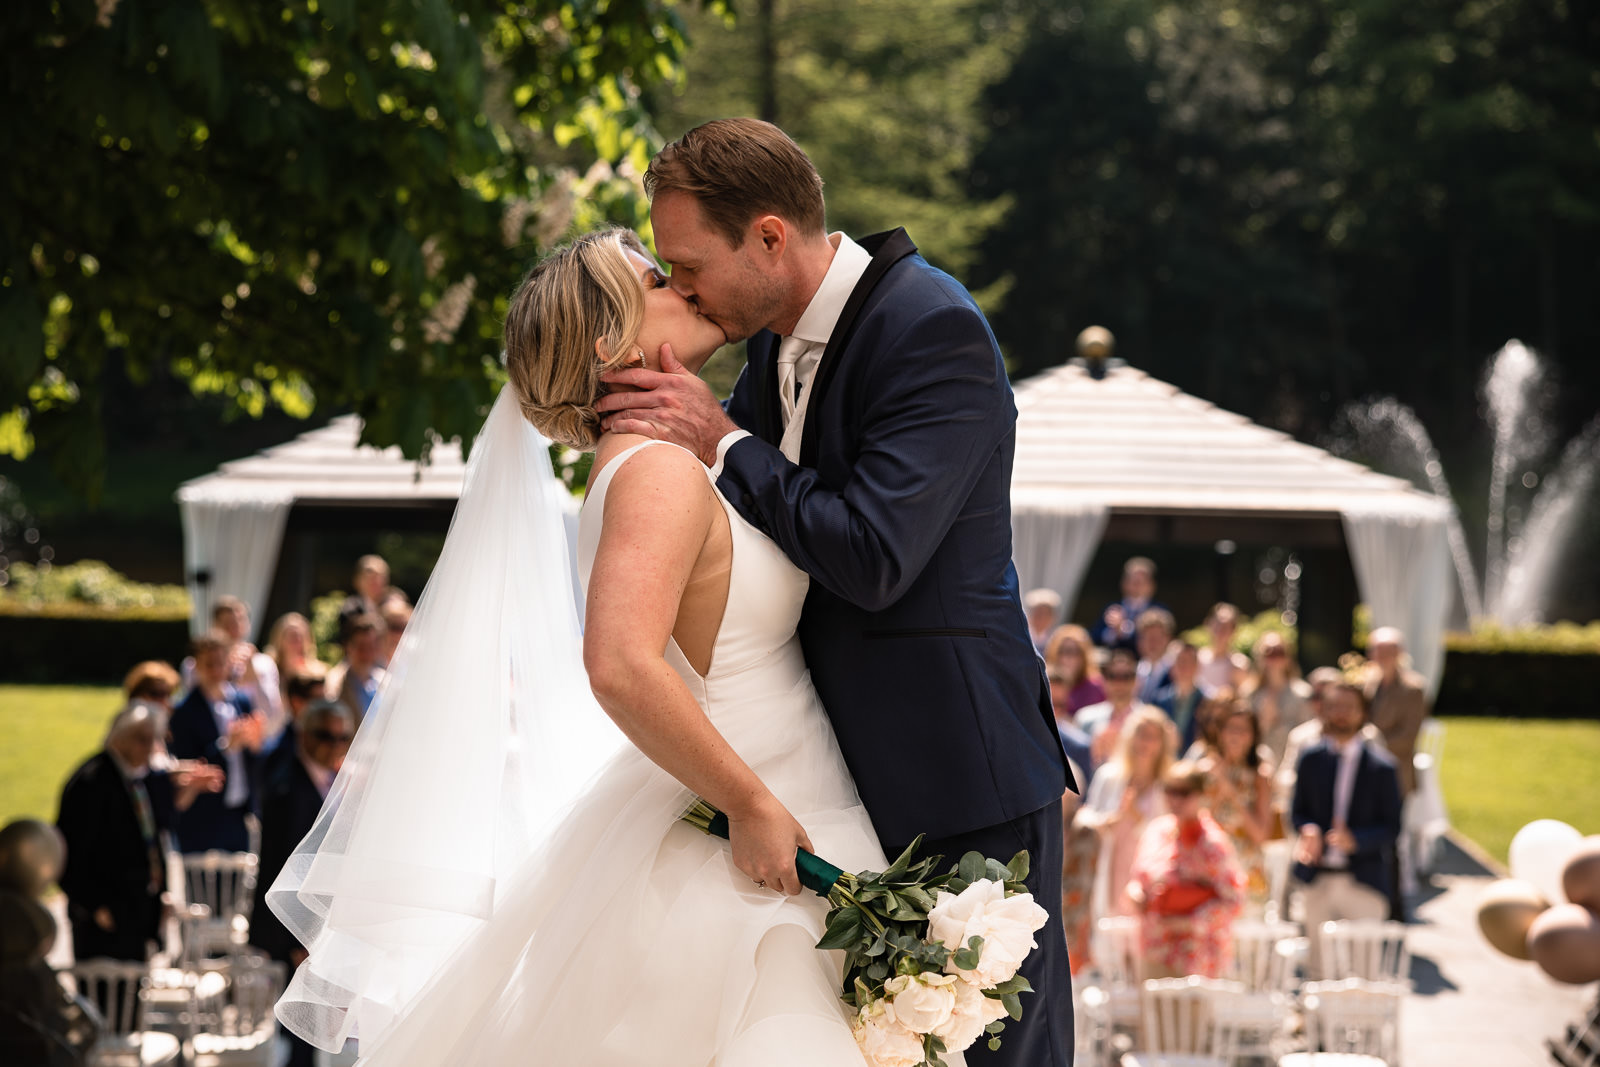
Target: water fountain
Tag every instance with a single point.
(1522, 545)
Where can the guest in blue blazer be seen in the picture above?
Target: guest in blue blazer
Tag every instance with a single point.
(216, 723)
(871, 436)
(1346, 810)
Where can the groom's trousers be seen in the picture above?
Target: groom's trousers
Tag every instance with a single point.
(1044, 1036)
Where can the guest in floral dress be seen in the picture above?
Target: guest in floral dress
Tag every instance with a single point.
(1239, 796)
(1187, 883)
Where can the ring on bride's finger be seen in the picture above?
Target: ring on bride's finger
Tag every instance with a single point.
(761, 885)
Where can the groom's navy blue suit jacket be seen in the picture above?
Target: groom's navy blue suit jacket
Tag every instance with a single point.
(900, 510)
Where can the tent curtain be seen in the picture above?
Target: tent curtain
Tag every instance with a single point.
(1402, 562)
(230, 547)
(1052, 547)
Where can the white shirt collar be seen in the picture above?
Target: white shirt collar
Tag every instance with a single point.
(850, 262)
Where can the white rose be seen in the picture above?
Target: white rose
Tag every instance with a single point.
(1006, 924)
(973, 1012)
(922, 1002)
(883, 1041)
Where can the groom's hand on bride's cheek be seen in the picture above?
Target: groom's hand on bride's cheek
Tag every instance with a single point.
(673, 405)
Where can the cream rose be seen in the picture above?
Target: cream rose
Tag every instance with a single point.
(1006, 924)
(921, 1002)
(884, 1041)
(973, 1011)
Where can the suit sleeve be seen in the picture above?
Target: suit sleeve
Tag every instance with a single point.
(930, 423)
(1300, 812)
(1385, 829)
(79, 822)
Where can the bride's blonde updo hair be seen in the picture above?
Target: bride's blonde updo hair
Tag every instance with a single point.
(584, 290)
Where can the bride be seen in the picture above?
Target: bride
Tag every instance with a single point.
(500, 874)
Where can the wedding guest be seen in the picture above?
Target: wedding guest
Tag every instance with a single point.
(354, 681)
(1398, 699)
(1275, 691)
(38, 1021)
(1155, 628)
(1346, 814)
(1071, 654)
(113, 809)
(1043, 608)
(1309, 733)
(217, 724)
(396, 615)
(250, 671)
(303, 688)
(1073, 740)
(1186, 883)
(1239, 793)
(1182, 698)
(1124, 796)
(155, 683)
(1116, 626)
(290, 803)
(292, 649)
(371, 581)
(1103, 722)
(1220, 666)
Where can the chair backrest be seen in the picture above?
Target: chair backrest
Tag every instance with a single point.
(1365, 948)
(1117, 953)
(1258, 963)
(113, 986)
(1179, 1017)
(1354, 1016)
(255, 985)
(225, 882)
(192, 922)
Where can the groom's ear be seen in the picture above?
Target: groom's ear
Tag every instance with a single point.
(772, 232)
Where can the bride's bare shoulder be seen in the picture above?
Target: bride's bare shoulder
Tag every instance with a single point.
(663, 468)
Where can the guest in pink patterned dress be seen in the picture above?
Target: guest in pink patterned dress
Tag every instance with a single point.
(1238, 793)
(1187, 883)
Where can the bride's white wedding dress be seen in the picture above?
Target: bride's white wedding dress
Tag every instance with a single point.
(633, 939)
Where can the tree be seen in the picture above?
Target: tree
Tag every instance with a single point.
(299, 202)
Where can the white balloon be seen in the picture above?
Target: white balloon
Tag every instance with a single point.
(1540, 851)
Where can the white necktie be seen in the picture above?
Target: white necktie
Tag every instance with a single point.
(788, 353)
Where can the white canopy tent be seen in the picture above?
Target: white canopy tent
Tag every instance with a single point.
(1128, 445)
(234, 518)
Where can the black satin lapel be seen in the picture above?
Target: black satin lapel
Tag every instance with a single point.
(887, 249)
(761, 352)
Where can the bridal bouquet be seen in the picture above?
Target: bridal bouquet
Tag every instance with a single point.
(930, 959)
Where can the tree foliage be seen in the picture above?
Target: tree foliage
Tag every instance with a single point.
(298, 202)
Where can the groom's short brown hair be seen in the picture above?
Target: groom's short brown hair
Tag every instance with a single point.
(738, 169)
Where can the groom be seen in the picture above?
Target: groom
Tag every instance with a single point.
(871, 436)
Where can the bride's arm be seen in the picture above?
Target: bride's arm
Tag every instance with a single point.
(659, 511)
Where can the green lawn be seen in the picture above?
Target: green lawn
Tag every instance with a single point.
(1498, 774)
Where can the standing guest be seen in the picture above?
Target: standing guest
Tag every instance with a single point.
(354, 681)
(1182, 698)
(1220, 666)
(292, 650)
(1043, 608)
(250, 671)
(396, 615)
(1124, 796)
(1070, 653)
(1239, 794)
(1116, 628)
(1398, 700)
(1309, 733)
(303, 689)
(1155, 629)
(290, 802)
(1275, 691)
(155, 683)
(1103, 722)
(217, 724)
(1346, 813)
(371, 581)
(113, 809)
(1186, 883)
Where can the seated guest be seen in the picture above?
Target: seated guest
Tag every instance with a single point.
(1155, 629)
(1103, 721)
(1116, 628)
(1124, 796)
(1186, 883)
(1398, 700)
(293, 650)
(301, 689)
(290, 803)
(1275, 691)
(1070, 653)
(1307, 734)
(113, 810)
(1239, 796)
(1346, 814)
(1182, 698)
(1043, 609)
(371, 581)
(216, 723)
(354, 681)
(1220, 666)
(396, 615)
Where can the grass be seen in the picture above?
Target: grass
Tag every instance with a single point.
(1498, 774)
(45, 732)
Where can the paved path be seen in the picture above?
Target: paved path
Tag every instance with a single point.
(1474, 1007)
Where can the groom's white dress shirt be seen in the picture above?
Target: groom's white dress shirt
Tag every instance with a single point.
(801, 351)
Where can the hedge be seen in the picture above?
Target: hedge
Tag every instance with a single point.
(81, 651)
(1520, 685)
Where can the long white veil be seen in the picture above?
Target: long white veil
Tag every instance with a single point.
(482, 735)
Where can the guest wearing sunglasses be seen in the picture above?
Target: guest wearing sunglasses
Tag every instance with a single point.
(1103, 722)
